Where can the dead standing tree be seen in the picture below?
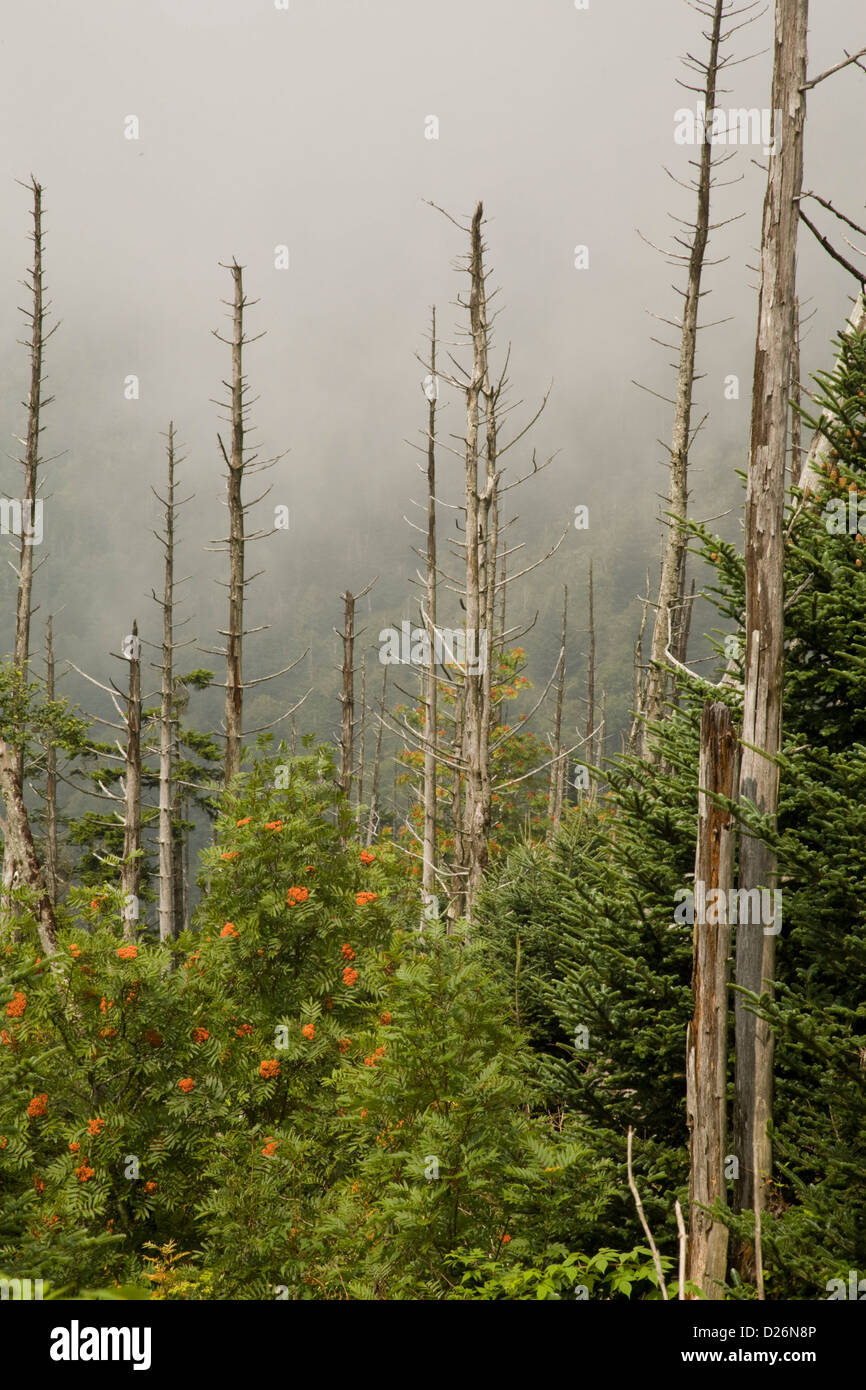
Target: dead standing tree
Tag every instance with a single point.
(373, 815)
(480, 589)
(590, 681)
(31, 460)
(347, 692)
(428, 868)
(167, 720)
(29, 523)
(240, 461)
(50, 867)
(130, 873)
(764, 574)
(707, 1035)
(764, 571)
(557, 767)
(128, 708)
(671, 597)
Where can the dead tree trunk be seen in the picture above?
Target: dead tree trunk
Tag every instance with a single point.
(557, 767)
(457, 899)
(30, 462)
(764, 567)
(235, 634)
(50, 867)
(590, 682)
(130, 873)
(707, 1034)
(673, 560)
(796, 422)
(479, 579)
(373, 814)
(167, 710)
(347, 695)
(428, 876)
(22, 850)
(481, 586)
(362, 740)
(239, 461)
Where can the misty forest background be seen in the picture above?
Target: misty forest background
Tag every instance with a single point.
(406, 1011)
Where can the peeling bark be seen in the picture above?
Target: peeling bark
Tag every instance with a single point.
(707, 1034)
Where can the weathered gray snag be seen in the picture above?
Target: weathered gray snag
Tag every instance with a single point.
(50, 867)
(130, 873)
(428, 872)
(590, 682)
(764, 568)
(796, 423)
(235, 461)
(671, 584)
(167, 722)
(373, 814)
(347, 691)
(30, 462)
(707, 1034)
(239, 461)
(347, 695)
(22, 851)
(480, 580)
(362, 741)
(557, 767)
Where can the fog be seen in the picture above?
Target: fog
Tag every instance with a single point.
(308, 128)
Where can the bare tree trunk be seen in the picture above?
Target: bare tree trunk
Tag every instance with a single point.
(50, 867)
(235, 634)
(347, 696)
(480, 577)
(19, 838)
(590, 682)
(457, 900)
(428, 879)
(166, 713)
(707, 1035)
(180, 836)
(673, 560)
(557, 767)
(31, 448)
(796, 422)
(373, 816)
(764, 567)
(239, 459)
(362, 739)
(130, 873)
(30, 463)
(639, 685)
(683, 627)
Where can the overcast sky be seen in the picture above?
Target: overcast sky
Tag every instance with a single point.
(307, 127)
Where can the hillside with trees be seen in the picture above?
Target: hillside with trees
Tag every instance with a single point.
(457, 936)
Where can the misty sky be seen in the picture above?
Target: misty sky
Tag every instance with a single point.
(261, 127)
